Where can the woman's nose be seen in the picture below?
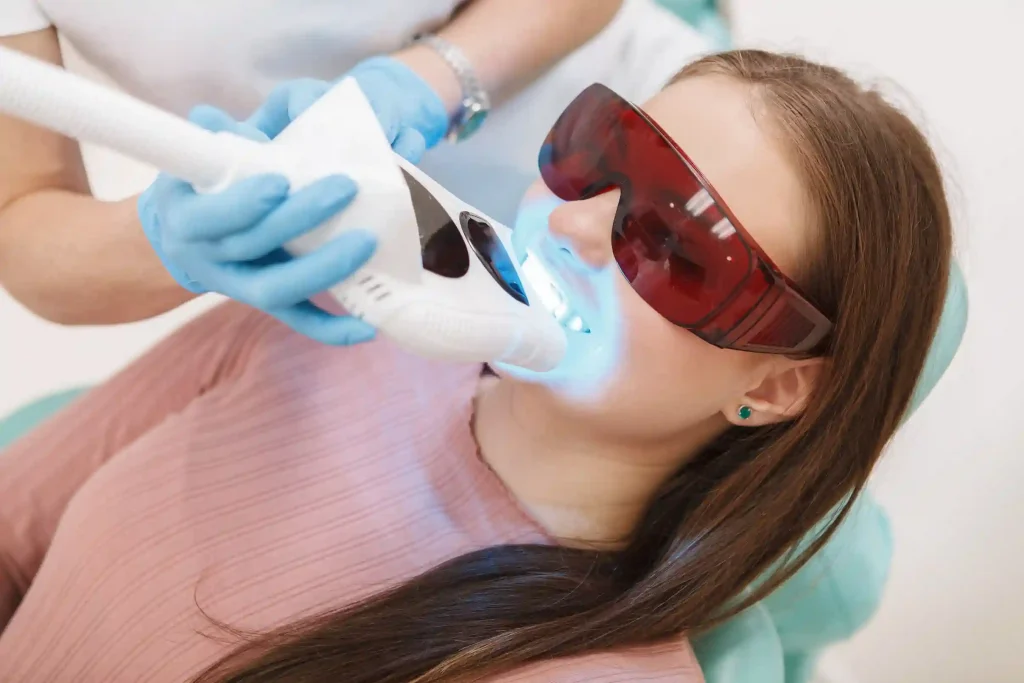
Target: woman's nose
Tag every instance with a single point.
(586, 226)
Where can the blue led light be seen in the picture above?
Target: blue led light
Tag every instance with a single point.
(591, 358)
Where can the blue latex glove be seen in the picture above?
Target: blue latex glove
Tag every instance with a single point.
(412, 115)
(231, 242)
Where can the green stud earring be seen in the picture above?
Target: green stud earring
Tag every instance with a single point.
(745, 412)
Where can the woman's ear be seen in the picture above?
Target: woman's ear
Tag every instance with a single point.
(781, 395)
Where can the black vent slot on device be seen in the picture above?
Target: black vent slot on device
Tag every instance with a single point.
(488, 247)
(442, 248)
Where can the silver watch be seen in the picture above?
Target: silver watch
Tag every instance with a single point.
(476, 104)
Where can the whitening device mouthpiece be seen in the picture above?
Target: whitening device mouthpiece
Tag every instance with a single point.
(443, 283)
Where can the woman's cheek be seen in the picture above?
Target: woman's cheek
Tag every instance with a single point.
(641, 339)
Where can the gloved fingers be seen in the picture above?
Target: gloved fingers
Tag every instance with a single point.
(410, 145)
(151, 227)
(400, 96)
(244, 130)
(389, 119)
(304, 96)
(281, 284)
(186, 216)
(303, 211)
(319, 325)
(212, 119)
(146, 207)
(272, 116)
(285, 103)
(217, 121)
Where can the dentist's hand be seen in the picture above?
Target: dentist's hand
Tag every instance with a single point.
(411, 113)
(231, 242)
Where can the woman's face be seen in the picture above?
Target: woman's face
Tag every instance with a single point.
(664, 380)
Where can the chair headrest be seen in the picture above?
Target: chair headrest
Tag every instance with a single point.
(840, 588)
(947, 338)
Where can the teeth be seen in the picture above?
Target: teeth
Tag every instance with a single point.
(551, 295)
(576, 324)
(564, 314)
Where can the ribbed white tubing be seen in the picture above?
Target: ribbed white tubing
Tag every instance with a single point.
(467, 320)
(52, 98)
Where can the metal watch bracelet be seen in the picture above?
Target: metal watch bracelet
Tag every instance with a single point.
(476, 103)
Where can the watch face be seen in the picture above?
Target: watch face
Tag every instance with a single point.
(472, 118)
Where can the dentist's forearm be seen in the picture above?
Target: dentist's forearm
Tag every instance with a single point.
(75, 260)
(64, 255)
(510, 42)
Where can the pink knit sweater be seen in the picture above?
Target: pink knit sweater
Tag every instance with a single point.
(261, 475)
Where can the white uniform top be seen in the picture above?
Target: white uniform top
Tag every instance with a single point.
(231, 53)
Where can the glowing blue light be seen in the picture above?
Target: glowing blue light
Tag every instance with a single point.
(586, 293)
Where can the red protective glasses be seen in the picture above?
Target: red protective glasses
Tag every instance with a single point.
(673, 237)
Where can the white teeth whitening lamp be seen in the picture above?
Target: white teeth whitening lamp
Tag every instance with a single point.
(443, 282)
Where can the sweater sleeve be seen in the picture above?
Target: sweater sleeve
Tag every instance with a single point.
(40, 473)
(670, 662)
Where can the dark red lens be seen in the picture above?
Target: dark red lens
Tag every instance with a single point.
(673, 244)
(683, 265)
(674, 240)
(571, 159)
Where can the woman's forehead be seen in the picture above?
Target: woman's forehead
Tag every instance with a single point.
(721, 125)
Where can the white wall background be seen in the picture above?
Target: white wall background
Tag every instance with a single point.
(954, 610)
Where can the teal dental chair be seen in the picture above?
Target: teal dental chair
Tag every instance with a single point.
(705, 16)
(780, 639)
(27, 417)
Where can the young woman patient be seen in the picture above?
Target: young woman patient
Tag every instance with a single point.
(245, 505)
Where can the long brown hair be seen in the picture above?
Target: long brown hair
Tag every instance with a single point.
(739, 508)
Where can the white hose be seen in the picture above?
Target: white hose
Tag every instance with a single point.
(52, 98)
